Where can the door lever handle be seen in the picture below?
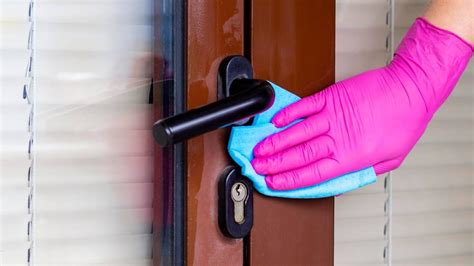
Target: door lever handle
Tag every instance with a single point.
(242, 98)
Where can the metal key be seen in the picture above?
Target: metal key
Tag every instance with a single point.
(239, 194)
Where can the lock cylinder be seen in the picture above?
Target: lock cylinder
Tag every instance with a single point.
(235, 203)
(239, 195)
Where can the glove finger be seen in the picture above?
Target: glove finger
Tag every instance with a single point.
(309, 175)
(295, 157)
(296, 134)
(300, 109)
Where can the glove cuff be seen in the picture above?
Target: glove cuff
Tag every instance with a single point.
(434, 59)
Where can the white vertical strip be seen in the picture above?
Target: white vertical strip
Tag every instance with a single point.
(363, 42)
(388, 232)
(388, 225)
(1, 172)
(31, 172)
(15, 107)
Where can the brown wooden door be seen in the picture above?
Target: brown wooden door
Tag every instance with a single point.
(290, 43)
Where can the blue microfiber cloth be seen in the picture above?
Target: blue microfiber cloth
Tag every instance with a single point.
(244, 138)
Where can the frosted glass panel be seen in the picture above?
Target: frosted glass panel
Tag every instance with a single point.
(89, 53)
(76, 150)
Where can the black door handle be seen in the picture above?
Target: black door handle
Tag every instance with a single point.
(243, 98)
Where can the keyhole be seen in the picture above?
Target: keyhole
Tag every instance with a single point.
(239, 192)
(239, 189)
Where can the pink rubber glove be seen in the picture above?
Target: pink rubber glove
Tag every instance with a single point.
(373, 119)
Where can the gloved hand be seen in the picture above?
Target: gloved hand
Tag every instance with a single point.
(373, 119)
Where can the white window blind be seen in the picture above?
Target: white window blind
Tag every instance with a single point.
(423, 212)
(363, 42)
(432, 220)
(15, 113)
(90, 183)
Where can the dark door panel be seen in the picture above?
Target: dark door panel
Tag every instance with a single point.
(293, 45)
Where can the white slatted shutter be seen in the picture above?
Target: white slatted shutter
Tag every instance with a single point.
(432, 221)
(15, 110)
(426, 215)
(93, 151)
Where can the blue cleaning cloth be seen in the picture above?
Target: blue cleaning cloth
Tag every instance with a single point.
(244, 138)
